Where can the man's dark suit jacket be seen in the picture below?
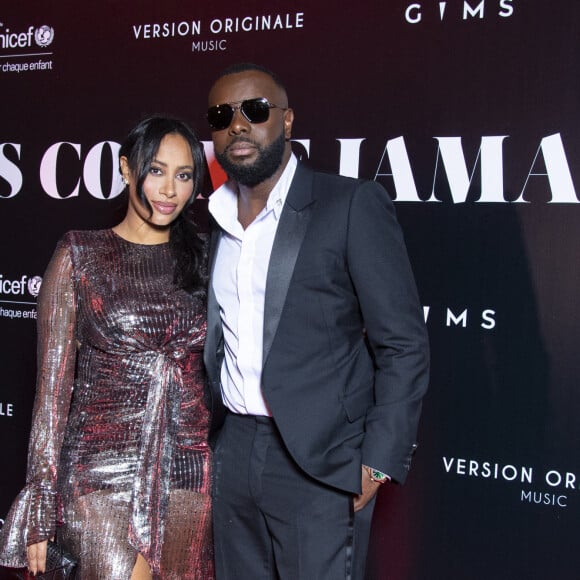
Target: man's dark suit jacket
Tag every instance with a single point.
(345, 355)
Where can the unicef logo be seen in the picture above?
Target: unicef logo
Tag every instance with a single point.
(34, 285)
(44, 35)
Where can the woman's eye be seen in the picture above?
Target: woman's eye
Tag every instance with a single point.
(185, 176)
(155, 171)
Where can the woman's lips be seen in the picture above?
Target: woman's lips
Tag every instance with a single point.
(164, 207)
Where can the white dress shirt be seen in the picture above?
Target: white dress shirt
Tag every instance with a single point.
(239, 283)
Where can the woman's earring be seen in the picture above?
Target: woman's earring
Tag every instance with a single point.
(125, 180)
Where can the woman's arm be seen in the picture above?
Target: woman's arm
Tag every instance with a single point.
(32, 517)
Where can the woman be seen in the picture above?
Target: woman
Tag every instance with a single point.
(118, 451)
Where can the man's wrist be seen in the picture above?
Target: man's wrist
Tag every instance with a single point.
(376, 475)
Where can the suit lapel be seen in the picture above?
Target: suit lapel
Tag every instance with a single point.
(290, 233)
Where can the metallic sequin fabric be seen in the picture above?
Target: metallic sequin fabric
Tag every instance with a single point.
(118, 449)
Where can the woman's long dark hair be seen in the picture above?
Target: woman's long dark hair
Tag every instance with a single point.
(187, 248)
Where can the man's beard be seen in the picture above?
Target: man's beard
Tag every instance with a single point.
(268, 161)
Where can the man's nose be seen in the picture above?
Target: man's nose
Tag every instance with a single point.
(239, 123)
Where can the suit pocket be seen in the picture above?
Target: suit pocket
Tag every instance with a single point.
(357, 404)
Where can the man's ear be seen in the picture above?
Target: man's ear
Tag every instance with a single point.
(288, 120)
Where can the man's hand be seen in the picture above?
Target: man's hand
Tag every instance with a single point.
(36, 554)
(369, 489)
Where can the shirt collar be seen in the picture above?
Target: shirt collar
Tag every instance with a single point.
(278, 195)
(223, 202)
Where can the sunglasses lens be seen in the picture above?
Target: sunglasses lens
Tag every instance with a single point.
(220, 117)
(256, 110)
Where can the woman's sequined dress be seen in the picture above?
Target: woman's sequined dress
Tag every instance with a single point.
(118, 450)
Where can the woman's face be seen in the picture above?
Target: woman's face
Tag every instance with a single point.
(168, 185)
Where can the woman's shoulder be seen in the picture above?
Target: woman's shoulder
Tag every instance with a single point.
(83, 245)
(82, 238)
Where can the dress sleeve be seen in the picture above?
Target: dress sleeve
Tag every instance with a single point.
(32, 517)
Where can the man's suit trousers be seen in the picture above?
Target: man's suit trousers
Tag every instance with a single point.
(271, 520)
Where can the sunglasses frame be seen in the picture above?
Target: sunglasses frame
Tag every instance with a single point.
(239, 106)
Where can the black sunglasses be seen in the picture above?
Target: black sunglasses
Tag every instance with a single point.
(254, 110)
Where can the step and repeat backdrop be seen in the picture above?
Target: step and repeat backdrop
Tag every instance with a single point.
(467, 111)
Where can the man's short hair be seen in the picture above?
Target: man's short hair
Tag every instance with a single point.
(250, 66)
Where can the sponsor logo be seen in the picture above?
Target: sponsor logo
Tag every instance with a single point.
(461, 317)
(21, 286)
(458, 10)
(456, 178)
(91, 162)
(205, 31)
(9, 40)
(544, 487)
(15, 295)
(34, 285)
(44, 36)
(18, 49)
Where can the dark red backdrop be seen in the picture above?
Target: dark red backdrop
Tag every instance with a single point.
(467, 111)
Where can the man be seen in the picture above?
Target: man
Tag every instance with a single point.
(316, 351)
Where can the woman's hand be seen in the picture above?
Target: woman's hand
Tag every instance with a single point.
(36, 554)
